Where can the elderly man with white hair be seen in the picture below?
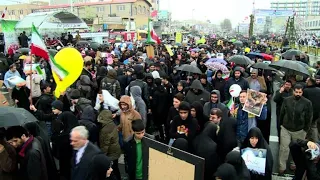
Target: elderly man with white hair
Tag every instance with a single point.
(84, 155)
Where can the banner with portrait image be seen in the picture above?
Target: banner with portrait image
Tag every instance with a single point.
(255, 101)
(255, 160)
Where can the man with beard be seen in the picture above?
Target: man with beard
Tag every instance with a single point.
(31, 157)
(237, 79)
(312, 93)
(284, 91)
(295, 121)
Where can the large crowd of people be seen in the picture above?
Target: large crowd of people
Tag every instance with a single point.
(82, 134)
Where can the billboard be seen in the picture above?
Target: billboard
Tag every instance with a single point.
(273, 13)
(163, 14)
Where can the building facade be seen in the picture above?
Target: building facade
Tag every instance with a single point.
(18, 11)
(136, 10)
(300, 7)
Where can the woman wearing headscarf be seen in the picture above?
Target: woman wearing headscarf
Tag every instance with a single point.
(102, 168)
(234, 158)
(197, 112)
(8, 158)
(160, 106)
(61, 141)
(181, 87)
(37, 132)
(226, 172)
(205, 147)
(181, 144)
(227, 139)
(219, 83)
(255, 140)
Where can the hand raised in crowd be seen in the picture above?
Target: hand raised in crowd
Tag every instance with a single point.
(16, 101)
(281, 89)
(312, 145)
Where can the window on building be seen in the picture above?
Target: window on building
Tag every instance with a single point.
(144, 10)
(134, 11)
(316, 23)
(100, 9)
(20, 11)
(140, 9)
(121, 7)
(13, 12)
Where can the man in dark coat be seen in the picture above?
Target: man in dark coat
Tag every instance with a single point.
(84, 153)
(237, 79)
(312, 93)
(24, 40)
(136, 153)
(284, 91)
(32, 159)
(197, 93)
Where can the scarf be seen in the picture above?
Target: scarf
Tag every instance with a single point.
(25, 145)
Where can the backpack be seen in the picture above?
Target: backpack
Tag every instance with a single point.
(109, 86)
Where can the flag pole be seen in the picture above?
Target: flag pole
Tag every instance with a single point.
(31, 73)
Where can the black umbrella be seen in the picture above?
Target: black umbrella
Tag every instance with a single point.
(11, 116)
(238, 43)
(203, 46)
(241, 60)
(291, 53)
(290, 67)
(82, 43)
(52, 52)
(190, 68)
(24, 50)
(95, 45)
(261, 65)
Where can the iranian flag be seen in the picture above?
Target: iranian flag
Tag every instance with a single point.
(4, 13)
(230, 104)
(152, 35)
(39, 48)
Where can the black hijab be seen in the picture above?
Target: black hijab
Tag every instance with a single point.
(234, 158)
(100, 165)
(227, 139)
(181, 144)
(205, 147)
(262, 144)
(226, 172)
(201, 118)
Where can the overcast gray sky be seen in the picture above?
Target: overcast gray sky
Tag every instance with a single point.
(214, 10)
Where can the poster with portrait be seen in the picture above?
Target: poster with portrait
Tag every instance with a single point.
(254, 102)
(255, 160)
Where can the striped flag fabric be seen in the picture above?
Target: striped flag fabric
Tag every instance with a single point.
(4, 13)
(39, 48)
(230, 104)
(152, 35)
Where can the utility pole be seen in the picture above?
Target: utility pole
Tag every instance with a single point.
(251, 26)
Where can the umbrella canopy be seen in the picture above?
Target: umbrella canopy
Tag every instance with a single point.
(11, 116)
(52, 52)
(291, 67)
(23, 50)
(203, 46)
(95, 45)
(82, 43)
(252, 55)
(291, 53)
(238, 43)
(241, 60)
(217, 60)
(261, 65)
(190, 68)
(267, 56)
(217, 66)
